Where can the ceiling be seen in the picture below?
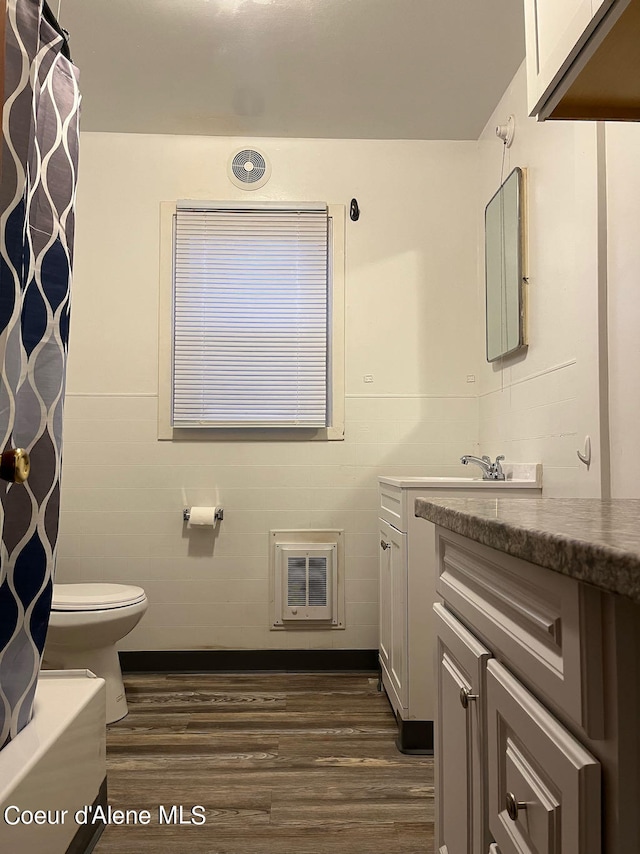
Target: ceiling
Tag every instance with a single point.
(361, 69)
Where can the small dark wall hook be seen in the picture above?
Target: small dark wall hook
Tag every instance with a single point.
(354, 210)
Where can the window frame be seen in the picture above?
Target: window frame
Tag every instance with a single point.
(335, 355)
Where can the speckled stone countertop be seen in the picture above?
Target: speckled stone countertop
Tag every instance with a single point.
(588, 539)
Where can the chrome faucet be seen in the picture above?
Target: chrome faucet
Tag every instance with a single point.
(490, 471)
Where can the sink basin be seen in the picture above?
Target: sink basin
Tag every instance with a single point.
(445, 480)
(517, 476)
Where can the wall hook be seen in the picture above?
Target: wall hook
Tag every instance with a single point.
(586, 456)
(354, 210)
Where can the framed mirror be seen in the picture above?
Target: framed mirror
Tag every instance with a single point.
(504, 268)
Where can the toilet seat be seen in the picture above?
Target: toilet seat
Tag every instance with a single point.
(95, 596)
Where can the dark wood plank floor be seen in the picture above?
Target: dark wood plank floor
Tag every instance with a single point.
(282, 763)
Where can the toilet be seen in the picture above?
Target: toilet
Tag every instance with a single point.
(87, 620)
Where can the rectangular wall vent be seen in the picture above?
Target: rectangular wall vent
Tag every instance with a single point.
(306, 582)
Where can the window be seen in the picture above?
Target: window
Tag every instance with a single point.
(255, 338)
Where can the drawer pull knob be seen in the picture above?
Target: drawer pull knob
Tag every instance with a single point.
(513, 805)
(384, 545)
(466, 696)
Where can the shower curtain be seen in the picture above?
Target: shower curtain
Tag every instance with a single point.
(37, 198)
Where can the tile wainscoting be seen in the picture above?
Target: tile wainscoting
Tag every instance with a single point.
(535, 418)
(123, 493)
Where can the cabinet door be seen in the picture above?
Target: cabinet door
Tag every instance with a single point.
(384, 627)
(544, 787)
(460, 763)
(556, 30)
(393, 609)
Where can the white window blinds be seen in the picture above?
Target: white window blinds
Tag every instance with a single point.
(250, 318)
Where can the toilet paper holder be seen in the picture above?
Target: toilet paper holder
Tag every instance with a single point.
(218, 515)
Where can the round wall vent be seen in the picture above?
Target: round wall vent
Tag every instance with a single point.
(249, 169)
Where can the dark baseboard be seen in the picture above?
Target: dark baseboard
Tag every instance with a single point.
(214, 660)
(415, 737)
(87, 835)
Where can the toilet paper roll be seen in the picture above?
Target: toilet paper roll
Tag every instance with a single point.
(201, 517)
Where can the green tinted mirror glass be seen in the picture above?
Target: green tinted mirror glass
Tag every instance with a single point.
(503, 222)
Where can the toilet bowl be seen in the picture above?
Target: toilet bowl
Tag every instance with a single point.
(87, 620)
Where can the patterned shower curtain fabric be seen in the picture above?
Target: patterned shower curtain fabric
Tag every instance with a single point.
(37, 199)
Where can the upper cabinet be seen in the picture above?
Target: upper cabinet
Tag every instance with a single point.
(583, 60)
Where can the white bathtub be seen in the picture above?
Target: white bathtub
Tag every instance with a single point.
(54, 767)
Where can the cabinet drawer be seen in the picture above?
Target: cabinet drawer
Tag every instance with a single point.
(545, 626)
(544, 787)
(393, 505)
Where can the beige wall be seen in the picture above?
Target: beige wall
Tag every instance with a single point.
(411, 322)
(539, 405)
(623, 238)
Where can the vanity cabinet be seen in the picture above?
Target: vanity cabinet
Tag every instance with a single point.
(405, 631)
(582, 59)
(530, 667)
(407, 580)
